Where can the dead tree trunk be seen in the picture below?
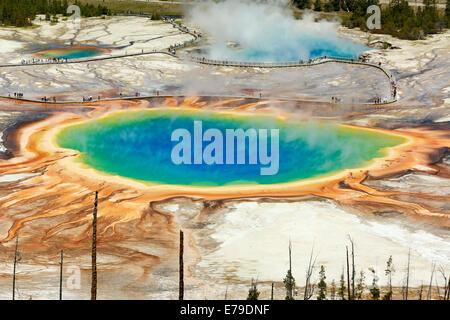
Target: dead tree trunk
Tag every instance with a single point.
(94, 250)
(271, 295)
(407, 275)
(309, 289)
(353, 268)
(420, 292)
(437, 288)
(448, 290)
(442, 271)
(61, 275)
(348, 276)
(290, 292)
(14, 271)
(181, 281)
(431, 282)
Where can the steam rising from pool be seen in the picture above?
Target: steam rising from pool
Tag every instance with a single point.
(268, 32)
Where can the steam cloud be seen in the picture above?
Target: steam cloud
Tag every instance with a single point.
(268, 31)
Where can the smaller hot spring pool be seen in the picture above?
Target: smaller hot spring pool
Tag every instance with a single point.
(72, 52)
(293, 48)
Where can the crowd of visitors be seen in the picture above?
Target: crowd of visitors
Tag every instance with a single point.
(39, 60)
(335, 99)
(172, 49)
(17, 95)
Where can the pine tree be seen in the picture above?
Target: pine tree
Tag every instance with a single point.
(302, 4)
(328, 7)
(20, 13)
(374, 289)
(342, 287)
(399, 19)
(156, 15)
(333, 290)
(388, 272)
(360, 285)
(289, 283)
(253, 292)
(317, 5)
(289, 280)
(322, 294)
(447, 13)
(65, 5)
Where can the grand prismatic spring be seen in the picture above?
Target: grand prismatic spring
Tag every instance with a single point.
(307, 149)
(341, 140)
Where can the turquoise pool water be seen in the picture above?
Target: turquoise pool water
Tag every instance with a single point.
(288, 47)
(138, 145)
(293, 50)
(341, 48)
(73, 52)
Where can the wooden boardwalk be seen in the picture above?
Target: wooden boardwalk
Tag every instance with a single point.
(247, 97)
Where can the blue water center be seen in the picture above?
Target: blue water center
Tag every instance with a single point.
(303, 48)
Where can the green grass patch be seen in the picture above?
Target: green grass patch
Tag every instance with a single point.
(298, 14)
(139, 6)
